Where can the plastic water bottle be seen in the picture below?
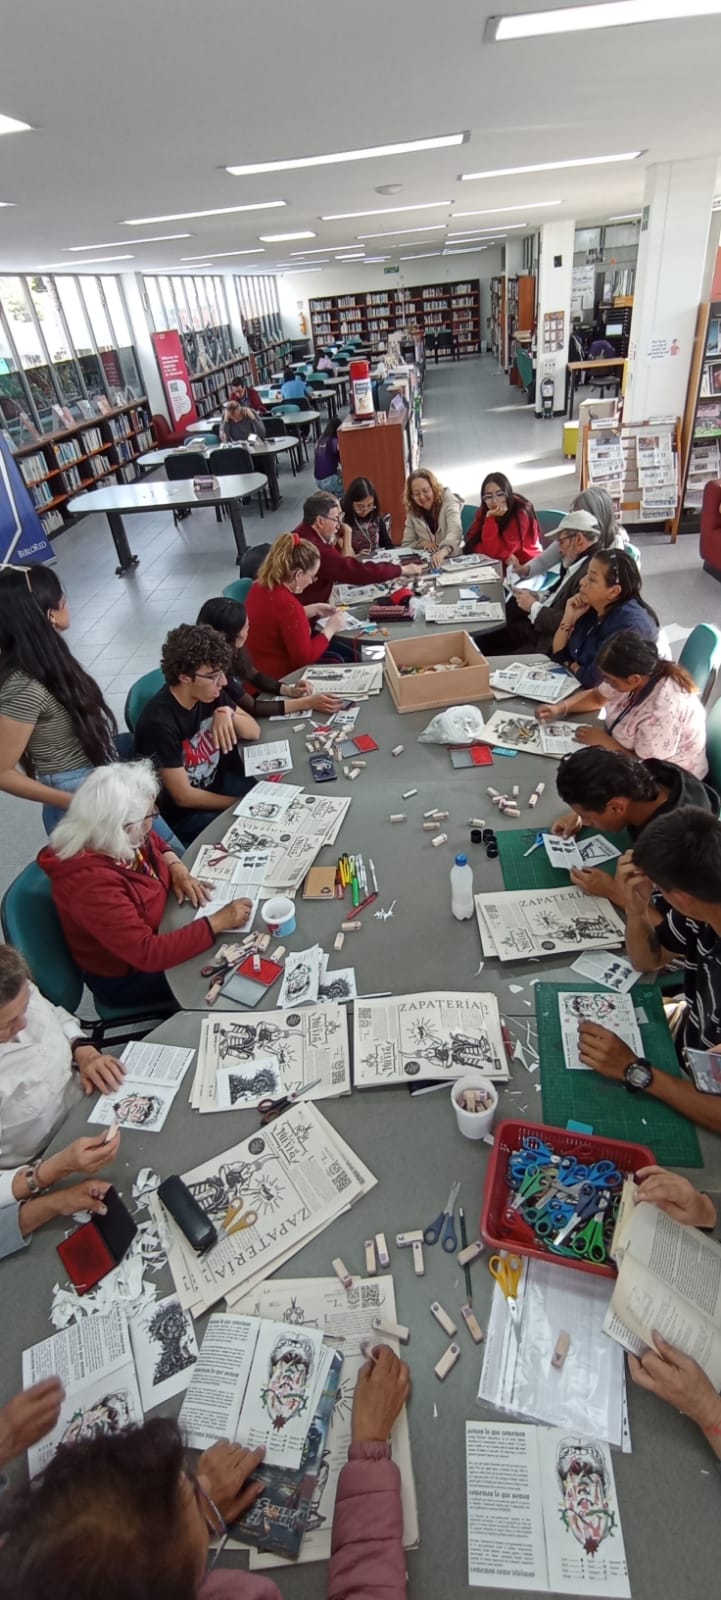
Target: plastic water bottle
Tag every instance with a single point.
(461, 888)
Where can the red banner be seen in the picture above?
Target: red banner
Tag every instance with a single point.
(176, 378)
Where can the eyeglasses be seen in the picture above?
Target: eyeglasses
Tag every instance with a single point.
(332, 516)
(490, 499)
(213, 1519)
(149, 817)
(211, 677)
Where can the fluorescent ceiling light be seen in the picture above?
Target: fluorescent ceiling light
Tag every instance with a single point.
(502, 211)
(281, 238)
(487, 233)
(294, 272)
(217, 211)
(628, 216)
(111, 244)
(548, 166)
(356, 255)
(216, 254)
(321, 249)
(424, 257)
(11, 125)
(581, 19)
(92, 261)
(199, 265)
(371, 260)
(393, 233)
(405, 149)
(386, 211)
(7, 203)
(465, 250)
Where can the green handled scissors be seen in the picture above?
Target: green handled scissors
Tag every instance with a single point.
(589, 1241)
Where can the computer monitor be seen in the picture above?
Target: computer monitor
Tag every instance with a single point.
(614, 330)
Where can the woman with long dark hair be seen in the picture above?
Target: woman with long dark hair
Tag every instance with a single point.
(652, 707)
(55, 725)
(370, 528)
(326, 462)
(505, 525)
(256, 692)
(608, 602)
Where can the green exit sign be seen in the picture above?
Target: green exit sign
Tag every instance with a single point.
(391, 269)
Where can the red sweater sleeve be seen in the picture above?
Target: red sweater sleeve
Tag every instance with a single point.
(367, 1557)
(108, 912)
(346, 569)
(302, 646)
(493, 543)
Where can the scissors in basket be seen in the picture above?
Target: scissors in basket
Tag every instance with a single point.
(586, 1205)
(270, 1109)
(236, 1218)
(443, 1228)
(507, 1272)
(589, 1241)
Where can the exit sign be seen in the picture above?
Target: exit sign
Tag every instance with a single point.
(391, 269)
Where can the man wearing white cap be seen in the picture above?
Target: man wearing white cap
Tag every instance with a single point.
(532, 618)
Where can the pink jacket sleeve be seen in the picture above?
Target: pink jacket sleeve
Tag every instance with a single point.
(237, 1585)
(367, 1557)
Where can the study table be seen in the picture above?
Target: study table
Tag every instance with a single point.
(264, 453)
(590, 366)
(121, 500)
(292, 420)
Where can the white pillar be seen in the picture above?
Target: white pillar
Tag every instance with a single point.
(669, 285)
(554, 309)
(144, 348)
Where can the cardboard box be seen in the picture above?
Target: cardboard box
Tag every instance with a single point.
(426, 691)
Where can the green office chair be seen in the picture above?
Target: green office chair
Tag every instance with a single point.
(701, 656)
(548, 520)
(284, 408)
(206, 441)
(713, 744)
(238, 590)
(315, 380)
(467, 514)
(139, 694)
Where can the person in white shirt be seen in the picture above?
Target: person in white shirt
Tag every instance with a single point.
(28, 1199)
(46, 1064)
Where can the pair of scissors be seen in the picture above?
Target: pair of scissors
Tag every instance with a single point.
(587, 1203)
(236, 1218)
(270, 1109)
(443, 1228)
(589, 1242)
(537, 843)
(507, 1272)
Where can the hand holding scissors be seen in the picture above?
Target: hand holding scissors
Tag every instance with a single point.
(270, 1109)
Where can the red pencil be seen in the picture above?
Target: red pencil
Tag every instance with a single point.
(367, 902)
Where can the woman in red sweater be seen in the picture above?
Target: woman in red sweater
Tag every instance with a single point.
(111, 879)
(505, 524)
(280, 638)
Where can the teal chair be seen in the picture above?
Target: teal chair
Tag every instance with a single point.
(284, 408)
(238, 590)
(701, 656)
(467, 514)
(30, 922)
(206, 441)
(548, 520)
(713, 744)
(315, 380)
(139, 694)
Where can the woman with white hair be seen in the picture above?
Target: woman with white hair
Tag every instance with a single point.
(111, 876)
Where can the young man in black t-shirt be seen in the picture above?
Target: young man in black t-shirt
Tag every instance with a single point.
(193, 731)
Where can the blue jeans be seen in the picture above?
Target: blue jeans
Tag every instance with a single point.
(334, 484)
(74, 776)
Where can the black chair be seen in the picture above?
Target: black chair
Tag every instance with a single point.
(445, 344)
(234, 459)
(185, 464)
(275, 428)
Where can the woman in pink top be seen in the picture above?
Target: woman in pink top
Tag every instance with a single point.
(125, 1514)
(652, 707)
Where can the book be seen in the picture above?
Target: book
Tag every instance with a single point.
(279, 1518)
(669, 1279)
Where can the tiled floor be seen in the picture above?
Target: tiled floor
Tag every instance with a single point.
(474, 422)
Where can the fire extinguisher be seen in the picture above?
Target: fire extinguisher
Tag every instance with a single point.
(361, 392)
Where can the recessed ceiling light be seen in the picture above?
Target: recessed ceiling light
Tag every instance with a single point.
(389, 188)
(424, 257)
(92, 261)
(110, 244)
(11, 125)
(613, 14)
(405, 149)
(217, 211)
(280, 238)
(394, 233)
(628, 216)
(386, 211)
(551, 166)
(216, 254)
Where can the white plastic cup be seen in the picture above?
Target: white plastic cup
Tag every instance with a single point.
(279, 916)
(474, 1124)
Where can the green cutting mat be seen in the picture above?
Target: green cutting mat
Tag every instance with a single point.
(535, 871)
(611, 1110)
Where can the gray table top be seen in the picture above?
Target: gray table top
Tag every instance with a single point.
(129, 497)
(262, 447)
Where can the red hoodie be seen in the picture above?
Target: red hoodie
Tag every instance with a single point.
(521, 536)
(337, 568)
(110, 913)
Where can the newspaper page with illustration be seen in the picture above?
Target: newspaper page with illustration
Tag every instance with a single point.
(437, 1035)
(522, 732)
(307, 1044)
(523, 923)
(94, 1361)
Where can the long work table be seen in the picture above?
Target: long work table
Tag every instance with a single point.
(117, 501)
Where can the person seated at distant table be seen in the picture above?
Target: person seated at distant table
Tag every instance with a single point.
(533, 619)
(246, 395)
(111, 879)
(679, 855)
(251, 690)
(28, 1197)
(281, 640)
(600, 350)
(294, 387)
(612, 791)
(598, 503)
(148, 1517)
(652, 706)
(608, 602)
(46, 1064)
(181, 729)
(238, 423)
(433, 517)
(324, 363)
(324, 528)
(370, 528)
(505, 524)
(326, 460)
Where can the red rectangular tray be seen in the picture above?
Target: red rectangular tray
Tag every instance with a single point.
(503, 1232)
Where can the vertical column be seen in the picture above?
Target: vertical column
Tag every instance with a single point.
(554, 310)
(669, 283)
(133, 290)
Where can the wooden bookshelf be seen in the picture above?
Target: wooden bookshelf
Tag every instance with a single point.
(701, 430)
(498, 319)
(376, 313)
(59, 465)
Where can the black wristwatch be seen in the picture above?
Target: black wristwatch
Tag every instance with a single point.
(638, 1075)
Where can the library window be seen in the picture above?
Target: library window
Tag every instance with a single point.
(15, 406)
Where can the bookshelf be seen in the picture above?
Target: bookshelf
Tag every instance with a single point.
(701, 432)
(101, 450)
(498, 319)
(375, 314)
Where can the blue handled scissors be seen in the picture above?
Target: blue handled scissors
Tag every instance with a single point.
(587, 1203)
(443, 1228)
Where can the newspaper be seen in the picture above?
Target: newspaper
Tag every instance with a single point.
(519, 732)
(307, 1044)
(154, 1073)
(244, 871)
(261, 758)
(464, 611)
(521, 924)
(345, 1315)
(352, 682)
(94, 1361)
(579, 853)
(545, 683)
(476, 572)
(268, 801)
(321, 814)
(297, 1173)
(291, 853)
(613, 1011)
(437, 1035)
(351, 594)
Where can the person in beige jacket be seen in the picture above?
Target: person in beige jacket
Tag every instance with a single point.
(433, 516)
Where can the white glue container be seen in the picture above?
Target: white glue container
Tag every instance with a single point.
(461, 888)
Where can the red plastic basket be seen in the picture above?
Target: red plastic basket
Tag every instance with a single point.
(502, 1232)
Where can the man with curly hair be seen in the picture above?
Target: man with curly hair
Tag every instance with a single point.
(193, 731)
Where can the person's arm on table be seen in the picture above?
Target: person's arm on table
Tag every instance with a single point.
(14, 740)
(679, 1380)
(608, 1055)
(28, 1417)
(582, 700)
(117, 928)
(367, 1557)
(183, 793)
(592, 880)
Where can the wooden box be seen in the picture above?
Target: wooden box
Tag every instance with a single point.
(427, 691)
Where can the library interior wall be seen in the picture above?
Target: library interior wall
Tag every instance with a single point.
(296, 290)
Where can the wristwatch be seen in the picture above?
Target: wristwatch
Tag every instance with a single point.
(638, 1075)
(30, 1175)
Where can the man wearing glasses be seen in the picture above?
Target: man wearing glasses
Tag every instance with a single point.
(323, 526)
(193, 731)
(531, 617)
